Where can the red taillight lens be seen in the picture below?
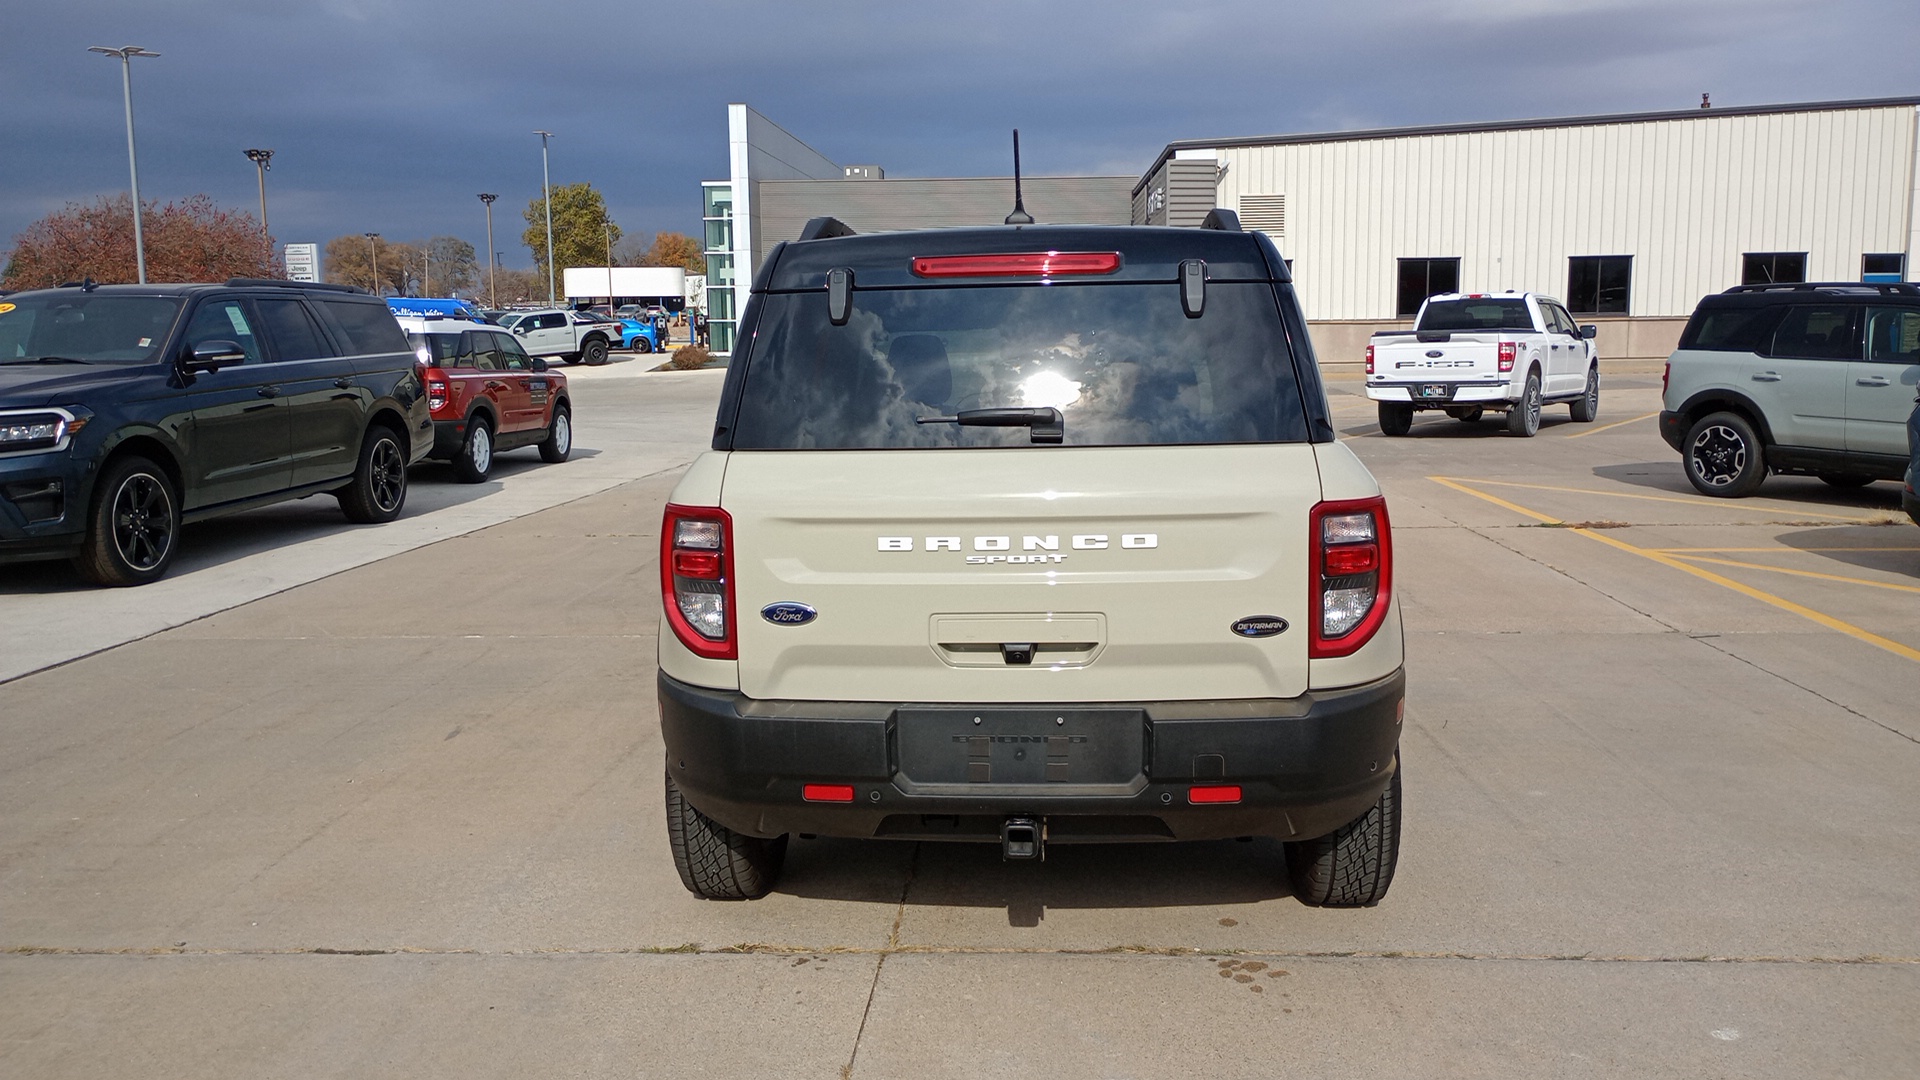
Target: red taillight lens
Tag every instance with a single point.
(1369, 359)
(1352, 560)
(696, 579)
(436, 381)
(1214, 794)
(827, 792)
(1026, 264)
(1508, 350)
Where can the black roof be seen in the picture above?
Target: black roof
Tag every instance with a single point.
(195, 288)
(1148, 253)
(1811, 291)
(1715, 113)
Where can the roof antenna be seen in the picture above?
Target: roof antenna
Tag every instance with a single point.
(1019, 215)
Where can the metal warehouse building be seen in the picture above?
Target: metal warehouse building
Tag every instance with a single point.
(1629, 218)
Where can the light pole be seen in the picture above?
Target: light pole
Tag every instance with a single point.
(374, 258)
(608, 226)
(546, 196)
(493, 300)
(126, 53)
(263, 159)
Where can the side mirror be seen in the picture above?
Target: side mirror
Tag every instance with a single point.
(536, 363)
(1588, 331)
(521, 330)
(214, 355)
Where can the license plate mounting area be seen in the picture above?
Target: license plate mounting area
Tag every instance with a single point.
(1059, 751)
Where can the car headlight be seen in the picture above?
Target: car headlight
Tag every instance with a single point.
(40, 429)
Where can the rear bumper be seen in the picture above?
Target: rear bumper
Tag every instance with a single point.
(1305, 767)
(1483, 392)
(1673, 428)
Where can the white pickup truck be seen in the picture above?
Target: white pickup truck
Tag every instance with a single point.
(571, 336)
(1470, 352)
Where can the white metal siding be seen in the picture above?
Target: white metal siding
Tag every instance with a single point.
(1685, 198)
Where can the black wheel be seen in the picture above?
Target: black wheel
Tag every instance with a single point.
(1353, 865)
(571, 358)
(559, 441)
(594, 352)
(1395, 418)
(1723, 456)
(1467, 415)
(1844, 481)
(132, 525)
(1587, 405)
(379, 486)
(716, 863)
(476, 452)
(1523, 418)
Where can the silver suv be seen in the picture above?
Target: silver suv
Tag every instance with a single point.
(1813, 379)
(1029, 536)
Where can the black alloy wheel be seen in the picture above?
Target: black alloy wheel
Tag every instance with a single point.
(594, 352)
(1724, 457)
(133, 525)
(1523, 418)
(1587, 406)
(378, 489)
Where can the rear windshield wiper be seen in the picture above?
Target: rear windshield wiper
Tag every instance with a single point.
(1043, 425)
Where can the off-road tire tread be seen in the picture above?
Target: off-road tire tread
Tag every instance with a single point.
(716, 863)
(463, 466)
(1353, 866)
(1519, 414)
(1586, 407)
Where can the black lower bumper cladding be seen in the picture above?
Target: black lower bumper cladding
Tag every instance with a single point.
(1094, 771)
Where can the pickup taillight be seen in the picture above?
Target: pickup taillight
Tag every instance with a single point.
(1369, 359)
(1352, 574)
(696, 579)
(1508, 351)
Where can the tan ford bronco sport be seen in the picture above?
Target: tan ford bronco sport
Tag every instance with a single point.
(1030, 536)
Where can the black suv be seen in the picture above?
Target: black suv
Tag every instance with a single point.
(126, 410)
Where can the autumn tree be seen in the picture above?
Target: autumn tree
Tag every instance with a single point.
(675, 249)
(352, 259)
(186, 241)
(581, 229)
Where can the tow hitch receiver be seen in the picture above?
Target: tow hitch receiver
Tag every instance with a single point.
(1023, 838)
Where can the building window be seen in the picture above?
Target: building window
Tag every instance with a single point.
(1421, 278)
(1883, 269)
(718, 219)
(1597, 284)
(1773, 267)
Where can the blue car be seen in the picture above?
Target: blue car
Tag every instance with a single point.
(641, 334)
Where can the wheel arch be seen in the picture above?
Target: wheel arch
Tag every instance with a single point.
(1712, 401)
(149, 446)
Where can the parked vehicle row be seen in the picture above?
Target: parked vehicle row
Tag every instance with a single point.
(128, 411)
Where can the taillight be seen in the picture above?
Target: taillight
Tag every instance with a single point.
(1352, 576)
(1022, 264)
(436, 381)
(696, 579)
(1508, 350)
(1369, 359)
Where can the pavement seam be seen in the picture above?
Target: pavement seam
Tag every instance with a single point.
(892, 946)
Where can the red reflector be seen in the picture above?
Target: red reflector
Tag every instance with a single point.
(833, 792)
(1214, 793)
(704, 565)
(1029, 264)
(1351, 559)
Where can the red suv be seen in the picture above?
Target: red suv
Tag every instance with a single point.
(487, 395)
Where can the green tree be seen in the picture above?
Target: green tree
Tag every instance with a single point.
(580, 229)
(676, 249)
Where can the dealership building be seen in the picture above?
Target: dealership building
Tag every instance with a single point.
(1630, 218)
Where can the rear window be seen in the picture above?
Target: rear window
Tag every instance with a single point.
(1122, 363)
(1476, 315)
(370, 327)
(1745, 328)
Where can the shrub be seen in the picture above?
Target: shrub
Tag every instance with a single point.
(688, 357)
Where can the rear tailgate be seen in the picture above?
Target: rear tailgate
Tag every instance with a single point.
(923, 564)
(1461, 357)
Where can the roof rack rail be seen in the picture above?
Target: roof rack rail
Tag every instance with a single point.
(282, 283)
(824, 228)
(1884, 288)
(1222, 219)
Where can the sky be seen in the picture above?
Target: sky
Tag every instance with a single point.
(391, 116)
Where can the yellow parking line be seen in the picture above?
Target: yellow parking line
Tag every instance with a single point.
(1610, 427)
(1781, 602)
(1746, 550)
(1800, 573)
(1723, 504)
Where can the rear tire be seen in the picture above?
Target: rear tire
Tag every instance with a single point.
(1523, 418)
(594, 352)
(378, 489)
(1352, 866)
(570, 358)
(1587, 406)
(643, 345)
(132, 527)
(1844, 481)
(716, 863)
(1724, 457)
(559, 441)
(1395, 418)
(476, 452)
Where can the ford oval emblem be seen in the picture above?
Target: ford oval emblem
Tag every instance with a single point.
(785, 614)
(1260, 626)
(1435, 354)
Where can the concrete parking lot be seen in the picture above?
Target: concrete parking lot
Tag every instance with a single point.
(339, 801)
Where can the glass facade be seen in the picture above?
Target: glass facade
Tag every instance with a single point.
(722, 315)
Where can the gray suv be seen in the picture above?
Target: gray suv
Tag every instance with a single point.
(1811, 379)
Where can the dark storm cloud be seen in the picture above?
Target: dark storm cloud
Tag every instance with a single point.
(392, 116)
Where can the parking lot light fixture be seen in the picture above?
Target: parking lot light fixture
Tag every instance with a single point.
(126, 53)
(263, 159)
(546, 196)
(493, 299)
(373, 257)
